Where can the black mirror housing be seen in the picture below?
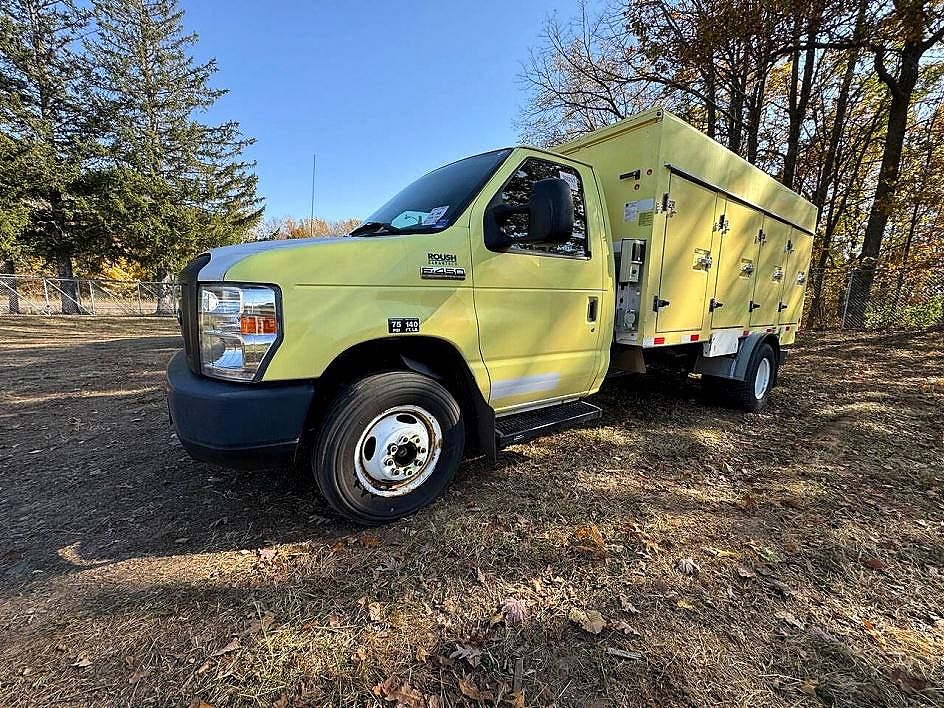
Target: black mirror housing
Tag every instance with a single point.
(551, 211)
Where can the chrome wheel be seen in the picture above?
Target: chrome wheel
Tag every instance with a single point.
(398, 451)
(762, 378)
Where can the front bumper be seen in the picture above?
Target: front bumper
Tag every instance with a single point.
(245, 426)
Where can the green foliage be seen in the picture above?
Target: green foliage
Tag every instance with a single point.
(102, 155)
(187, 185)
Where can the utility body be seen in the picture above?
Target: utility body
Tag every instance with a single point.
(483, 303)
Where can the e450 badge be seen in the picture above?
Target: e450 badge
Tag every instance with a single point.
(442, 273)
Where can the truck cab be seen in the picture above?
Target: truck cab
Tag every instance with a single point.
(475, 309)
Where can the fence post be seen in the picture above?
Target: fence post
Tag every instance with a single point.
(845, 305)
(46, 295)
(91, 295)
(140, 306)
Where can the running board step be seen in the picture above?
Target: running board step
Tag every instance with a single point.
(521, 427)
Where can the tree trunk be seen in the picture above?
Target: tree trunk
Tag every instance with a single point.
(825, 179)
(799, 99)
(68, 292)
(901, 90)
(166, 301)
(8, 268)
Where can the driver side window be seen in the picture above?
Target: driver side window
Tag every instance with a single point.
(517, 192)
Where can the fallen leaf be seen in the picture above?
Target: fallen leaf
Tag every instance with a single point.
(750, 504)
(470, 690)
(590, 621)
(809, 687)
(467, 653)
(266, 555)
(514, 611)
(687, 566)
(589, 540)
(397, 691)
(721, 553)
(785, 616)
(908, 683)
(745, 572)
(625, 628)
(199, 703)
(139, 674)
(82, 661)
(874, 564)
(628, 606)
(261, 623)
(231, 647)
(684, 604)
(375, 611)
(515, 699)
(369, 540)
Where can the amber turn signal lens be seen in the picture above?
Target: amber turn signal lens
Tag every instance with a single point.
(253, 324)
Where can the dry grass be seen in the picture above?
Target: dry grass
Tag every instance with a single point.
(131, 575)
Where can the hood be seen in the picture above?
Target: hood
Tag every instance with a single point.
(396, 259)
(223, 259)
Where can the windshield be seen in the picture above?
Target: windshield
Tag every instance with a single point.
(435, 200)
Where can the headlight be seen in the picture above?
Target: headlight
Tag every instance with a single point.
(238, 326)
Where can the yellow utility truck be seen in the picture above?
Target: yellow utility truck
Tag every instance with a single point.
(479, 307)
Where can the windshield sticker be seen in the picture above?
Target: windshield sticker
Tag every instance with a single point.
(435, 215)
(570, 179)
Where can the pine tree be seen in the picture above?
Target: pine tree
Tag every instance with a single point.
(46, 125)
(193, 186)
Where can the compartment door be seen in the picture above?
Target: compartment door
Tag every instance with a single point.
(770, 273)
(686, 257)
(800, 250)
(738, 229)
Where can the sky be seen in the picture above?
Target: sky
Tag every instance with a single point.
(381, 92)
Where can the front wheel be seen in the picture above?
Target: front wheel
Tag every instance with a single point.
(389, 445)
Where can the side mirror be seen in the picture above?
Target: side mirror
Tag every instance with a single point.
(551, 216)
(551, 210)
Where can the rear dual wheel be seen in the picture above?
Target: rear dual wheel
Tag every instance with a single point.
(753, 393)
(389, 445)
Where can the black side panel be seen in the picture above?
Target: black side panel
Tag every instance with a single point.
(189, 292)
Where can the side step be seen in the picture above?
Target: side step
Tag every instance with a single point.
(521, 427)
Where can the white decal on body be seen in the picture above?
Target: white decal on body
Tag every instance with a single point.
(524, 384)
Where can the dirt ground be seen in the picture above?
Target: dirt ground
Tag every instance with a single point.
(675, 554)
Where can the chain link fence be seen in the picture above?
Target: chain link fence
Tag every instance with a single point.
(899, 298)
(41, 295)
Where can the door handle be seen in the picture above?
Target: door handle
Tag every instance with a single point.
(753, 306)
(714, 305)
(782, 306)
(592, 309)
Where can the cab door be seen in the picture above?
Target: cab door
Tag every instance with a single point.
(539, 307)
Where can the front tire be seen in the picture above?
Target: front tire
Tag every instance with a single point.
(388, 446)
